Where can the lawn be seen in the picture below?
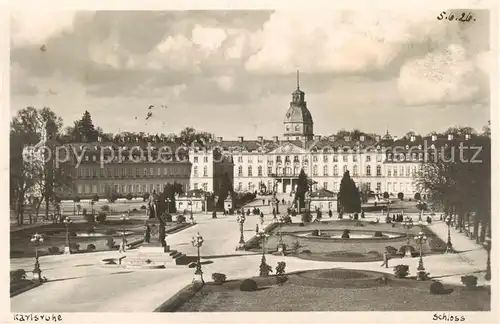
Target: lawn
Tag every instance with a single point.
(334, 290)
(341, 250)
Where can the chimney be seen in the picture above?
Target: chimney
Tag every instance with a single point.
(219, 139)
(260, 139)
(434, 138)
(412, 138)
(467, 137)
(362, 138)
(450, 137)
(377, 138)
(275, 138)
(240, 139)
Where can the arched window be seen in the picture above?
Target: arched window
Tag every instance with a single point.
(325, 170)
(368, 170)
(205, 171)
(335, 170)
(250, 171)
(379, 170)
(240, 171)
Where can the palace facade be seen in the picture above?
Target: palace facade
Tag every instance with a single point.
(384, 164)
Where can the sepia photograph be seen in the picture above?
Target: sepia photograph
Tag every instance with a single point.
(187, 161)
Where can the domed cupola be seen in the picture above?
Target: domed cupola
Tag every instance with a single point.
(298, 120)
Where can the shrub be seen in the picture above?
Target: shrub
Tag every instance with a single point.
(129, 196)
(401, 271)
(248, 285)
(403, 248)
(386, 195)
(17, 275)
(391, 250)
(437, 288)
(280, 273)
(84, 211)
(345, 234)
(101, 217)
(91, 247)
(180, 219)
(469, 281)
(54, 250)
(145, 197)
(105, 208)
(315, 232)
(219, 278)
(301, 225)
(355, 216)
(74, 246)
(95, 197)
(89, 218)
(378, 234)
(143, 207)
(110, 231)
(306, 217)
(400, 195)
(296, 247)
(417, 196)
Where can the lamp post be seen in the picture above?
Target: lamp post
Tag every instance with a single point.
(408, 224)
(487, 245)
(449, 247)
(263, 235)
(421, 209)
(67, 249)
(124, 218)
(421, 239)
(37, 272)
(197, 242)
(241, 220)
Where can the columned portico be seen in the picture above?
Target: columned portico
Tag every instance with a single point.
(286, 184)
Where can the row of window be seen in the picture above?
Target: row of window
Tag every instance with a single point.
(129, 172)
(315, 158)
(390, 187)
(195, 171)
(195, 159)
(204, 186)
(122, 189)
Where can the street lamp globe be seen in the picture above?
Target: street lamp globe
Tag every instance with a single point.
(421, 239)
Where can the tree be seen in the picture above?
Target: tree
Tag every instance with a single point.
(302, 188)
(349, 200)
(386, 195)
(83, 130)
(417, 196)
(225, 190)
(364, 192)
(400, 195)
(110, 193)
(169, 192)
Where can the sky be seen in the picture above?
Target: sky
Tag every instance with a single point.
(232, 73)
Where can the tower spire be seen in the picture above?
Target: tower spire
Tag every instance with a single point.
(298, 84)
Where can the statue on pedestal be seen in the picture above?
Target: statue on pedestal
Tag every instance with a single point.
(153, 205)
(155, 225)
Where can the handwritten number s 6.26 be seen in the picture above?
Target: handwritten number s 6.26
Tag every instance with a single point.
(463, 17)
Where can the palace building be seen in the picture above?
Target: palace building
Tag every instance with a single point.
(384, 164)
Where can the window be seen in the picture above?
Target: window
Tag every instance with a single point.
(344, 169)
(205, 159)
(137, 172)
(279, 170)
(368, 158)
(296, 158)
(205, 171)
(123, 172)
(379, 186)
(165, 171)
(325, 158)
(297, 128)
(315, 170)
(315, 158)
(144, 188)
(195, 159)
(269, 170)
(240, 159)
(388, 187)
(240, 186)
(151, 187)
(130, 188)
(389, 172)
(259, 171)
(287, 158)
(355, 170)
(101, 172)
(414, 171)
(344, 158)
(205, 186)
(79, 188)
(395, 171)
(87, 188)
(335, 158)
(379, 158)
(335, 170)
(379, 170)
(137, 188)
(195, 171)
(402, 187)
(407, 171)
(195, 186)
(124, 188)
(401, 171)
(249, 159)
(240, 171)
(259, 158)
(368, 170)
(145, 172)
(296, 170)
(250, 171)
(354, 158)
(87, 172)
(325, 185)
(278, 159)
(250, 186)
(325, 170)
(151, 172)
(395, 186)
(369, 186)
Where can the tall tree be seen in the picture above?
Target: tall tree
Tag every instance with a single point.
(84, 129)
(302, 188)
(349, 200)
(225, 190)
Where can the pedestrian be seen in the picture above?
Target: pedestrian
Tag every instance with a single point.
(256, 228)
(386, 260)
(263, 201)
